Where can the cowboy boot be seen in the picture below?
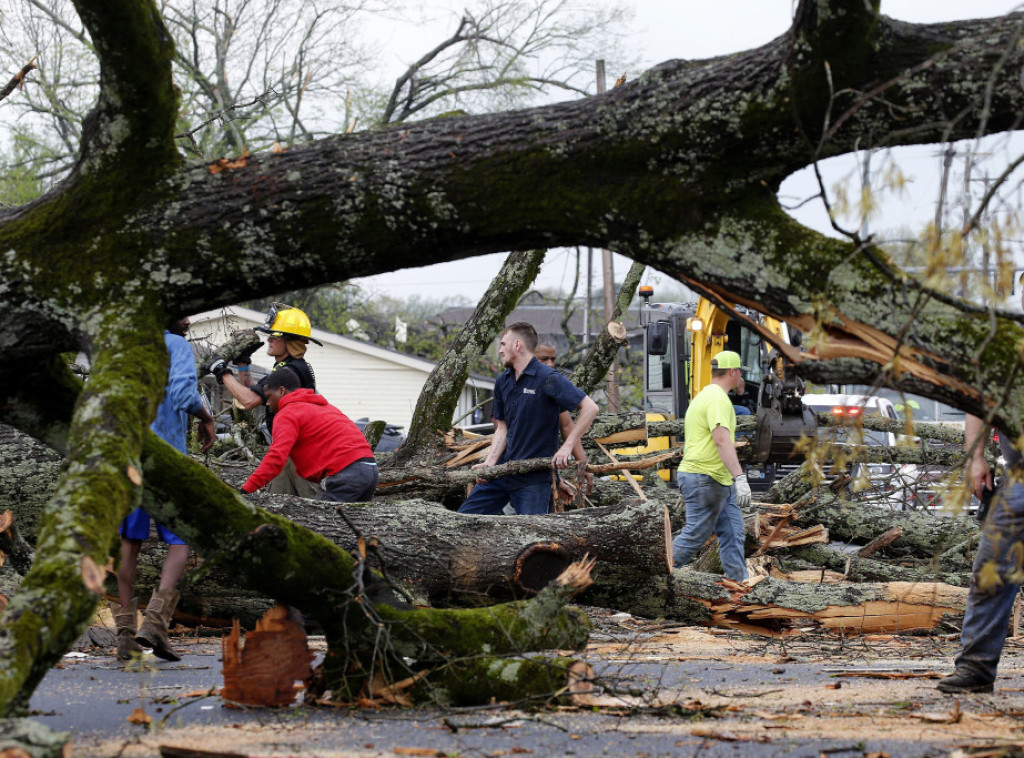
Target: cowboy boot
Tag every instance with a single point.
(153, 632)
(125, 617)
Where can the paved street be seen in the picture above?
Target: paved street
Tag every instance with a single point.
(677, 691)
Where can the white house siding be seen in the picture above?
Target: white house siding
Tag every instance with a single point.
(362, 380)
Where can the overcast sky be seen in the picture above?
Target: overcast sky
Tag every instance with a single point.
(665, 29)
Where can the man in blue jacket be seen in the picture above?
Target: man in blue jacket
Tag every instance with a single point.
(528, 399)
(181, 399)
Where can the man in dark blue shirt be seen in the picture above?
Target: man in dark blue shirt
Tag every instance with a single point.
(528, 399)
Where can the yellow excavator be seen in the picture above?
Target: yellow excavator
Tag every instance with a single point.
(679, 341)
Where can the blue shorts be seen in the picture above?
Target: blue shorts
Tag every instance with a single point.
(136, 527)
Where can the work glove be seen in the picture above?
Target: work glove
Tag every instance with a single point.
(218, 368)
(742, 491)
(204, 367)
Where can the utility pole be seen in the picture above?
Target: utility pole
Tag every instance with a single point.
(612, 380)
(589, 306)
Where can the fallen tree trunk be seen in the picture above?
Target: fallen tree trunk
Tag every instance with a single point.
(448, 484)
(776, 607)
(30, 477)
(768, 608)
(812, 557)
(448, 557)
(925, 536)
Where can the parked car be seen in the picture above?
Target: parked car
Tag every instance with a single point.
(389, 440)
(889, 484)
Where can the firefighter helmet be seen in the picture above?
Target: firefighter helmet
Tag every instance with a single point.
(286, 321)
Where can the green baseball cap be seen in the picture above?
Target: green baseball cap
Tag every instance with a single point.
(726, 359)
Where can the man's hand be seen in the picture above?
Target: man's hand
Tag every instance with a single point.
(742, 491)
(207, 435)
(485, 464)
(979, 476)
(561, 457)
(205, 366)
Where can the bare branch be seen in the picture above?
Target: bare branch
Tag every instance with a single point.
(18, 80)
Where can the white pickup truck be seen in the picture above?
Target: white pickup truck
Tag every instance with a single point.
(889, 484)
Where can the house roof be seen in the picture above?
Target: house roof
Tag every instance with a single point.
(546, 316)
(346, 343)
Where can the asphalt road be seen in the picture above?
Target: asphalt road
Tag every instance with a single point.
(93, 696)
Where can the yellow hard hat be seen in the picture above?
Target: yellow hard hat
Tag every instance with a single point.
(286, 321)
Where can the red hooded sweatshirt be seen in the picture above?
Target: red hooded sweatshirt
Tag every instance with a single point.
(319, 438)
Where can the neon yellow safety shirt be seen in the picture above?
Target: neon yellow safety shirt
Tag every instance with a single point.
(712, 407)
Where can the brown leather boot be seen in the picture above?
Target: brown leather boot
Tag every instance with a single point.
(125, 620)
(153, 632)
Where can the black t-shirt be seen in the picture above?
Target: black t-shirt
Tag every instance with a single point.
(306, 380)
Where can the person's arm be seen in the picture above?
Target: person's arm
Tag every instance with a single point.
(588, 412)
(498, 442)
(977, 471)
(244, 395)
(727, 450)
(285, 436)
(566, 425)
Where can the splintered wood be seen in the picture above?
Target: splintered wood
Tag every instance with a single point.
(889, 607)
(773, 530)
(264, 671)
(474, 452)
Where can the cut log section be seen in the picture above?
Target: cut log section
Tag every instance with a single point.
(275, 656)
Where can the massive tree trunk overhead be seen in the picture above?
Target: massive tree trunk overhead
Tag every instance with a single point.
(677, 169)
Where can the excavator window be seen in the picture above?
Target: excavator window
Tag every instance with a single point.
(748, 344)
(659, 370)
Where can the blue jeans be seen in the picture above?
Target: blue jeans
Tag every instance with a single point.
(988, 611)
(490, 497)
(710, 507)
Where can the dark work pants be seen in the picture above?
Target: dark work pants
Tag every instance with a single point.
(994, 583)
(355, 483)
